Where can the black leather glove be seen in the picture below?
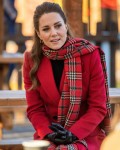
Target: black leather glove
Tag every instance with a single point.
(55, 138)
(60, 135)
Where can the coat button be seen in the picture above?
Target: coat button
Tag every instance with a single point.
(55, 117)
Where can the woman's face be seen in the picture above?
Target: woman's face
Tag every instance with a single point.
(52, 30)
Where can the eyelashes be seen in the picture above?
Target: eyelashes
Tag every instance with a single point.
(56, 27)
(45, 29)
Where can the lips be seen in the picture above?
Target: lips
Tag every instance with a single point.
(55, 40)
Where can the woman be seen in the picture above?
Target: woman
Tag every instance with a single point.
(65, 84)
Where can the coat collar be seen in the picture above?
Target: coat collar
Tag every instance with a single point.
(46, 78)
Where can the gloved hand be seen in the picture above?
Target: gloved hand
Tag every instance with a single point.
(55, 138)
(60, 135)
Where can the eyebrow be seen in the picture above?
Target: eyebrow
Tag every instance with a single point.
(46, 26)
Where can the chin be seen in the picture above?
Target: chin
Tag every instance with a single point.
(56, 47)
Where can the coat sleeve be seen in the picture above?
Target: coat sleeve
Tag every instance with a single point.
(96, 100)
(35, 107)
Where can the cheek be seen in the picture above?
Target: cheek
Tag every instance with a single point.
(64, 32)
(44, 37)
(64, 35)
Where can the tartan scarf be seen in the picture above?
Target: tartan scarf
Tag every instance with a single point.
(70, 101)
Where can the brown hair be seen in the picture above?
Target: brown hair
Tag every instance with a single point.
(36, 52)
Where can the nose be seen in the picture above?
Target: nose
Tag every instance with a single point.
(53, 32)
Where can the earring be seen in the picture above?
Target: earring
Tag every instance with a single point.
(41, 41)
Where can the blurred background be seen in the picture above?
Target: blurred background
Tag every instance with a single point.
(95, 20)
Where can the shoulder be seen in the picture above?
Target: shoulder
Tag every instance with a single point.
(90, 51)
(87, 48)
(92, 59)
(27, 55)
(27, 58)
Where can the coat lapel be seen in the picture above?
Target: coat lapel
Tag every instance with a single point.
(46, 78)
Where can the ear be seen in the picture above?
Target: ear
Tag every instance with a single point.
(66, 27)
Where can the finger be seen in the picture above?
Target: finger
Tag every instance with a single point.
(59, 132)
(63, 137)
(59, 141)
(52, 136)
(53, 128)
(69, 134)
(58, 126)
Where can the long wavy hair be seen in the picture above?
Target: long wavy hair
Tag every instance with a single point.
(36, 52)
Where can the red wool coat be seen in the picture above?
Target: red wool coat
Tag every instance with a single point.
(43, 102)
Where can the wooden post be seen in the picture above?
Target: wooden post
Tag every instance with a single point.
(73, 11)
(1, 128)
(1, 26)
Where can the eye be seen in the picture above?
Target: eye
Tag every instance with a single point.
(58, 26)
(46, 29)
